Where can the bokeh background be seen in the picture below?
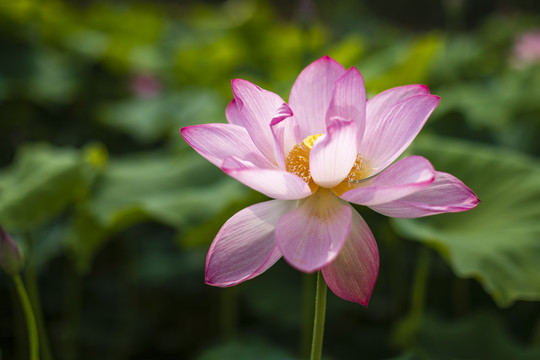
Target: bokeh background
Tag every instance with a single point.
(114, 212)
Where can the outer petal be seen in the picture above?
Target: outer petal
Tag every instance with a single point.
(352, 275)
(311, 95)
(379, 105)
(232, 114)
(349, 100)
(397, 130)
(333, 154)
(215, 142)
(245, 246)
(446, 194)
(311, 236)
(274, 183)
(403, 178)
(257, 107)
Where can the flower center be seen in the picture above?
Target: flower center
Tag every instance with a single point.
(359, 171)
(297, 162)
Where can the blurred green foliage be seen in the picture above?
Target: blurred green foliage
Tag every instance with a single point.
(498, 242)
(120, 211)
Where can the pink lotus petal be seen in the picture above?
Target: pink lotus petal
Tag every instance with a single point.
(378, 106)
(311, 236)
(232, 114)
(257, 107)
(274, 183)
(397, 130)
(215, 142)
(284, 130)
(334, 153)
(311, 95)
(400, 179)
(245, 246)
(349, 100)
(352, 275)
(446, 194)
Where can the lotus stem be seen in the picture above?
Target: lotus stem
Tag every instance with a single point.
(320, 312)
(31, 325)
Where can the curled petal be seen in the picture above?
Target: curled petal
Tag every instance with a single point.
(245, 246)
(352, 275)
(446, 194)
(311, 236)
(334, 153)
(349, 100)
(215, 142)
(311, 95)
(400, 179)
(257, 107)
(397, 130)
(232, 114)
(284, 130)
(274, 183)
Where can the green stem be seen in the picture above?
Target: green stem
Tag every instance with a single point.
(33, 339)
(19, 327)
(406, 331)
(418, 298)
(320, 312)
(31, 278)
(308, 308)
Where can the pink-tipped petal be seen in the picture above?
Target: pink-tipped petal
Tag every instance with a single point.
(334, 153)
(257, 107)
(215, 142)
(400, 179)
(311, 95)
(397, 130)
(274, 183)
(245, 246)
(446, 194)
(379, 105)
(352, 275)
(232, 114)
(349, 100)
(311, 236)
(284, 130)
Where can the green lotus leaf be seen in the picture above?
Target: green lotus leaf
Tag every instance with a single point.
(498, 242)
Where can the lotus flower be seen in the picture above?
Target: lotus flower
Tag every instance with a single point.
(326, 148)
(526, 49)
